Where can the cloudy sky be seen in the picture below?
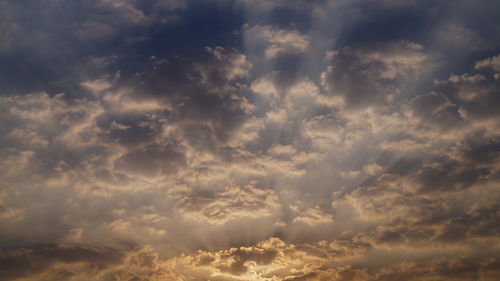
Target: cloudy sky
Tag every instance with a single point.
(270, 140)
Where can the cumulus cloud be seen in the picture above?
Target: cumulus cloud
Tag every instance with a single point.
(247, 203)
(372, 75)
(272, 259)
(177, 166)
(292, 140)
(274, 41)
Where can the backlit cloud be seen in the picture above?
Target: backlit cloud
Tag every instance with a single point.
(249, 140)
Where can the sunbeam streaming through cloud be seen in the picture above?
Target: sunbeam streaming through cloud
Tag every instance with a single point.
(270, 140)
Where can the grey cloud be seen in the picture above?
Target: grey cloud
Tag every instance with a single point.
(435, 110)
(493, 63)
(447, 176)
(475, 92)
(202, 94)
(151, 160)
(26, 262)
(371, 75)
(263, 162)
(242, 256)
(245, 203)
(271, 42)
(99, 19)
(52, 44)
(136, 134)
(125, 141)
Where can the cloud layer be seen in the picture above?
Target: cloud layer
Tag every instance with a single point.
(301, 140)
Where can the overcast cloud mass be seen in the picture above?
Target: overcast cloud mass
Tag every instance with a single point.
(271, 140)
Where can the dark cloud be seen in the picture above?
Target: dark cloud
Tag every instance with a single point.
(203, 95)
(435, 110)
(372, 75)
(151, 160)
(25, 262)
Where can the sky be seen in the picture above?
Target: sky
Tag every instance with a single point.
(268, 140)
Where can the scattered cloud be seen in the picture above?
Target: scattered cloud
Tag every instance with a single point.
(271, 140)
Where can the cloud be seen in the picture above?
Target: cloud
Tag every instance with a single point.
(313, 216)
(272, 259)
(65, 262)
(203, 97)
(493, 63)
(99, 19)
(234, 203)
(275, 42)
(371, 75)
(126, 139)
(311, 140)
(52, 44)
